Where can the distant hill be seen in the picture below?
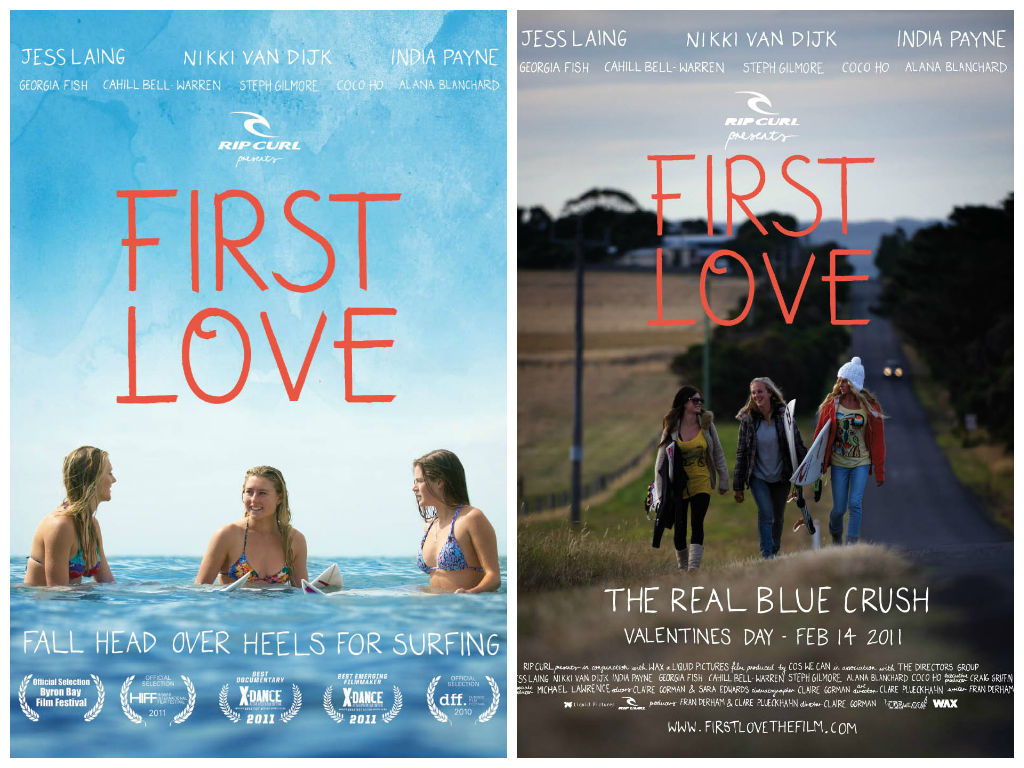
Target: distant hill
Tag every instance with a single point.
(863, 235)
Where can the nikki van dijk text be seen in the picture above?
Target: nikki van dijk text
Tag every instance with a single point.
(229, 248)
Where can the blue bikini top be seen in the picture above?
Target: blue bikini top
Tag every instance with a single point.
(450, 556)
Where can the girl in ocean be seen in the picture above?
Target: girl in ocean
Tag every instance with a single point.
(856, 447)
(67, 545)
(459, 550)
(263, 543)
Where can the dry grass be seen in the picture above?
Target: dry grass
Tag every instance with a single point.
(618, 306)
(627, 386)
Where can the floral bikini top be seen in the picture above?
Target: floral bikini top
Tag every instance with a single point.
(241, 567)
(76, 565)
(450, 556)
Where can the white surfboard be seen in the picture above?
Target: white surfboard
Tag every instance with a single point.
(813, 465)
(236, 583)
(790, 427)
(328, 581)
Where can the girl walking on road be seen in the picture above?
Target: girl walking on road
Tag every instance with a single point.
(856, 446)
(690, 464)
(763, 462)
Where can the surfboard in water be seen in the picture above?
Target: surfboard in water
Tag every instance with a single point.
(328, 581)
(236, 583)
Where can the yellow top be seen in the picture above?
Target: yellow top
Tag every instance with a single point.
(694, 458)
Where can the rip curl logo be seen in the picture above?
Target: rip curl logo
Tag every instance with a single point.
(767, 118)
(754, 103)
(253, 121)
(266, 142)
(631, 705)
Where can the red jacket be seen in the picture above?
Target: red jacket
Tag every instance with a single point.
(874, 436)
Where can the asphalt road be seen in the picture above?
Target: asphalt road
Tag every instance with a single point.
(921, 505)
(924, 510)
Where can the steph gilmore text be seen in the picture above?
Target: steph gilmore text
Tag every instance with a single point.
(280, 643)
(762, 727)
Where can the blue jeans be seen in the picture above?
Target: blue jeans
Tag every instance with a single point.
(847, 490)
(771, 505)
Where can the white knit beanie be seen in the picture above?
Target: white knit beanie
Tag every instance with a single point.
(853, 372)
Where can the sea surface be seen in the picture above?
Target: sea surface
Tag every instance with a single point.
(153, 666)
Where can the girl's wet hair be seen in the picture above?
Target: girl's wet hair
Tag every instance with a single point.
(283, 513)
(83, 468)
(444, 468)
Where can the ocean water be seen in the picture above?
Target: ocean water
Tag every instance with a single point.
(410, 673)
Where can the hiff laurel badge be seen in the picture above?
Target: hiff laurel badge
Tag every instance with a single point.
(155, 699)
(60, 693)
(459, 699)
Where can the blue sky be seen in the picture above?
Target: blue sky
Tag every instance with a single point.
(437, 257)
(938, 139)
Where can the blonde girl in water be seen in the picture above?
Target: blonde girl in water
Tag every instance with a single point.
(68, 545)
(262, 543)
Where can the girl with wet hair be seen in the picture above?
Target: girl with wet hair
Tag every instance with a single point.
(466, 559)
(263, 543)
(68, 545)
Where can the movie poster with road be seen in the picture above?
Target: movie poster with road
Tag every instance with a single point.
(255, 240)
(720, 213)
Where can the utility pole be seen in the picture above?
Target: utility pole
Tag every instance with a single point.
(576, 451)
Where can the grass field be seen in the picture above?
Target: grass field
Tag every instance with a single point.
(627, 386)
(614, 541)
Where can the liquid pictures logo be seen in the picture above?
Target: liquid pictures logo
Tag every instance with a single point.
(264, 141)
(763, 126)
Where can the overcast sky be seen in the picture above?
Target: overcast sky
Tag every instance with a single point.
(938, 139)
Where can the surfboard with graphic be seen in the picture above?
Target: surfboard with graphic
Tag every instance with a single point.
(813, 465)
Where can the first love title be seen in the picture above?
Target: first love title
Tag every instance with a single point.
(734, 199)
(231, 247)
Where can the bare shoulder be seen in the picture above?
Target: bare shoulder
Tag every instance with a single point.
(227, 534)
(298, 539)
(474, 517)
(56, 526)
